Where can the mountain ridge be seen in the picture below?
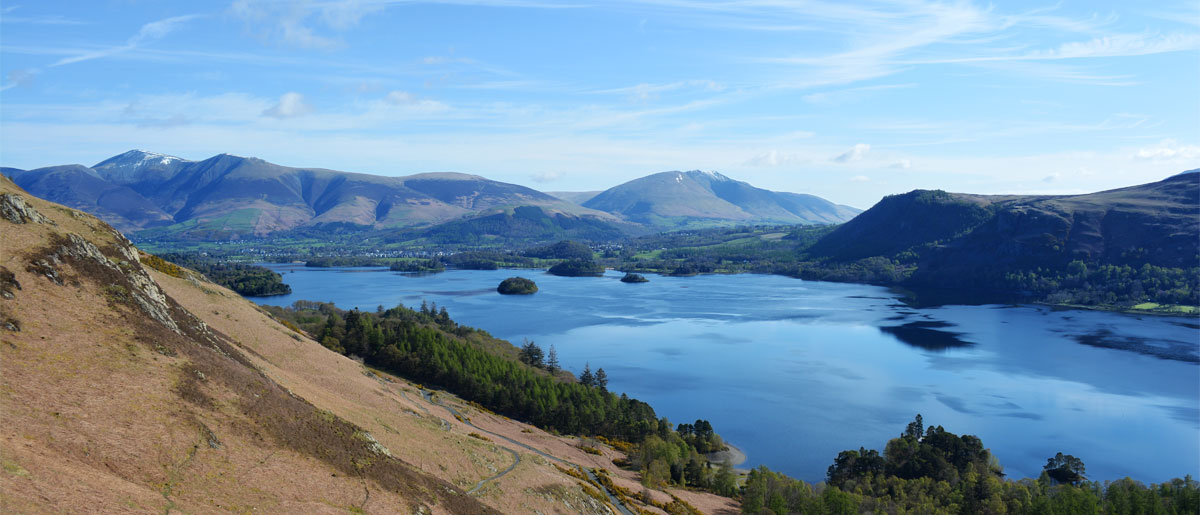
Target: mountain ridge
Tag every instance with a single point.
(1006, 242)
(231, 195)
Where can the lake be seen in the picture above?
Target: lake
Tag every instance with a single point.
(793, 371)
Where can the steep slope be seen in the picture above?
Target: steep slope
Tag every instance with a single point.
(131, 403)
(1156, 224)
(130, 389)
(670, 199)
(960, 240)
(900, 222)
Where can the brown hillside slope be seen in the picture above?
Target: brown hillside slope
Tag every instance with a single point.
(115, 398)
(106, 408)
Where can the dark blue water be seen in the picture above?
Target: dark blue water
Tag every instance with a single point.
(793, 372)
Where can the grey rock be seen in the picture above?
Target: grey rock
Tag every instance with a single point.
(14, 209)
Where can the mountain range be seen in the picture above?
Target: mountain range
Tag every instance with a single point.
(229, 197)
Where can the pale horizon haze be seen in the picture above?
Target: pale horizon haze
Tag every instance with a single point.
(850, 101)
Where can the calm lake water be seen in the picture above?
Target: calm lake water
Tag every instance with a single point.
(793, 371)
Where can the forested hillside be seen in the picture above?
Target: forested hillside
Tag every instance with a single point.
(427, 346)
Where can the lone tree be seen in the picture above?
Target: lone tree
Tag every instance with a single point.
(552, 360)
(1065, 468)
(531, 354)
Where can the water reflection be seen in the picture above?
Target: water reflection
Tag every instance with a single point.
(926, 335)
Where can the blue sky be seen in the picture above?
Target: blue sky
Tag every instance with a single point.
(847, 100)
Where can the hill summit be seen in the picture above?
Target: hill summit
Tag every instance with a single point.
(703, 198)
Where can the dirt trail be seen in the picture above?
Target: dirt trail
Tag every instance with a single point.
(611, 497)
(516, 461)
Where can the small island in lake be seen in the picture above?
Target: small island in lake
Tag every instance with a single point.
(517, 286)
(426, 265)
(631, 277)
(577, 268)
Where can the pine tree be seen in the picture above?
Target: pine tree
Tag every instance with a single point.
(601, 379)
(552, 360)
(531, 354)
(586, 378)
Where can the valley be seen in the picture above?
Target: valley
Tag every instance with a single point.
(619, 455)
(642, 257)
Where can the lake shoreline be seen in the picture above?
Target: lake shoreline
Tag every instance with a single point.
(732, 455)
(903, 290)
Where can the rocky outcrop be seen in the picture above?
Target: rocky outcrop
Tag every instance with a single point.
(143, 290)
(14, 209)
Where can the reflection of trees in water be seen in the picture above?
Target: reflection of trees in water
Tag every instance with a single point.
(927, 335)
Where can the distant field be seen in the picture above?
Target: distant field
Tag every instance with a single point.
(1166, 308)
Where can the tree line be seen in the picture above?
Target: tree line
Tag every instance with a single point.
(248, 280)
(931, 470)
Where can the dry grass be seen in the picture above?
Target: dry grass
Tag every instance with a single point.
(99, 416)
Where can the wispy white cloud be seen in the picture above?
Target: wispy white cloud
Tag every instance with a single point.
(1187, 13)
(891, 34)
(292, 23)
(149, 32)
(41, 20)
(45, 19)
(645, 92)
(409, 101)
(544, 177)
(17, 78)
(522, 85)
(854, 154)
(1171, 151)
(1117, 45)
(776, 158)
(843, 95)
(290, 105)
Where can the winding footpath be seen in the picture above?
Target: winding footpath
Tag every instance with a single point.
(612, 499)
